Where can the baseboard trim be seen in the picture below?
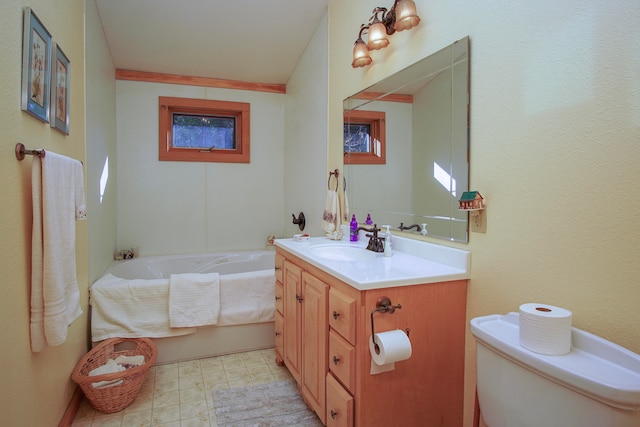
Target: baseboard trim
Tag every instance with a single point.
(72, 409)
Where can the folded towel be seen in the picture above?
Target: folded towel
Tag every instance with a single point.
(58, 200)
(194, 299)
(331, 216)
(247, 297)
(131, 308)
(130, 361)
(108, 368)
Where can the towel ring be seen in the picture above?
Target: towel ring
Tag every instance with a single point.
(337, 174)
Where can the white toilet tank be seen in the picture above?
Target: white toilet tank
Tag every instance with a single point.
(597, 384)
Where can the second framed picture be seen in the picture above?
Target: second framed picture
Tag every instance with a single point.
(60, 90)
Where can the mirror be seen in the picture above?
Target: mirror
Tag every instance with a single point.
(426, 165)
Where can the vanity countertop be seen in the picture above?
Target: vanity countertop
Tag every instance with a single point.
(413, 262)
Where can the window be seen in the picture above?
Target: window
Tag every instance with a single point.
(364, 137)
(199, 130)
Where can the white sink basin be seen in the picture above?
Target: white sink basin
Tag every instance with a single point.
(342, 253)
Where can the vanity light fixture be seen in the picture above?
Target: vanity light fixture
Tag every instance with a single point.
(383, 23)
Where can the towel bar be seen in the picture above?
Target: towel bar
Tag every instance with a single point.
(21, 151)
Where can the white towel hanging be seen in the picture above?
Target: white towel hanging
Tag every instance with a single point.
(58, 200)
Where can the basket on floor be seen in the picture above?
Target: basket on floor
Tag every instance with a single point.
(124, 385)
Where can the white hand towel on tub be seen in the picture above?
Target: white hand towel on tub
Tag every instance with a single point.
(247, 297)
(194, 299)
(57, 189)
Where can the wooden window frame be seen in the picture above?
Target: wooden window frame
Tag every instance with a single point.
(376, 122)
(239, 110)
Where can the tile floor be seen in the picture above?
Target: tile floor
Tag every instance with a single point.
(180, 394)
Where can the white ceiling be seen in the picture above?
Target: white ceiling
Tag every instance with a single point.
(248, 40)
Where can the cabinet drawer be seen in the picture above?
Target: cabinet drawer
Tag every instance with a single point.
(339, 405)
(279, 327)
(278, 266)
(342, 314)
(279, 297)
(342, 360)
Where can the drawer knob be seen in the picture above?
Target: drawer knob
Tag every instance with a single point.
(299, 298)
(277, 334)
(335, 315)
(334, 414)
(278, 298)
(336, 360)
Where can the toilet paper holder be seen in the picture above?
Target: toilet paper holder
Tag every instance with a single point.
(383, 305)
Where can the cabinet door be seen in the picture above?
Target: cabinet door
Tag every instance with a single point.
(292, 325)
(340, 406)
(314, 341)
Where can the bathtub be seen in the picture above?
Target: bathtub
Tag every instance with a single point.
(207, 341)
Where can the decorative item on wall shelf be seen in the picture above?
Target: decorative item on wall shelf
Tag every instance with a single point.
(471, 201)
(36, 66)
(60, 75)
(383, 23)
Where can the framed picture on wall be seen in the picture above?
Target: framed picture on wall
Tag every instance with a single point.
(36, 67)
(60, 74)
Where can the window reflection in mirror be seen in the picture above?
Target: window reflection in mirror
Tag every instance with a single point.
(364, 137)
(427, 141)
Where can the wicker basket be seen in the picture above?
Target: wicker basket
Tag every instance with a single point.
(114, 398)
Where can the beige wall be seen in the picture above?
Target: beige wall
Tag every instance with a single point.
(305, 136)
(101, 144)
(555, 119)
(36, 386)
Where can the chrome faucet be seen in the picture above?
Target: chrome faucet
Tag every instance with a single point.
(376, 244)
(402, 227)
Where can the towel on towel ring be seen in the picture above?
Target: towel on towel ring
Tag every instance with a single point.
(331, 216)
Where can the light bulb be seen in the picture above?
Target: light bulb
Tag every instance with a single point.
(406, 15)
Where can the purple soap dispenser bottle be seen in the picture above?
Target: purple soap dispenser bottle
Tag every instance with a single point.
(353, 229)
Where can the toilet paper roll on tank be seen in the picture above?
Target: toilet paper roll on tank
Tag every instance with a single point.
(392, 346)
(545, 329)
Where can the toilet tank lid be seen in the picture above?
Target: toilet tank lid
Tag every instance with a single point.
(595, 367)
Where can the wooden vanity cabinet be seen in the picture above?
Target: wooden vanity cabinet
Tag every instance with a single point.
(425, 390)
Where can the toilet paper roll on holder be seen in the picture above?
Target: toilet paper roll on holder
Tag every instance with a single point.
(383, 305)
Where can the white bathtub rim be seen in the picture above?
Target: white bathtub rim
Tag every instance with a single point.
(117, 266)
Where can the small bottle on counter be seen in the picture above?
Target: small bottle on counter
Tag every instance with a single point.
(353, 230)
(369, 221)
(387, 241)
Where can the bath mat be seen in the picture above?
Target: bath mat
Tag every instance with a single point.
(264, 405)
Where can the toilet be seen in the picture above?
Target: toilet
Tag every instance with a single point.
(597, 384)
